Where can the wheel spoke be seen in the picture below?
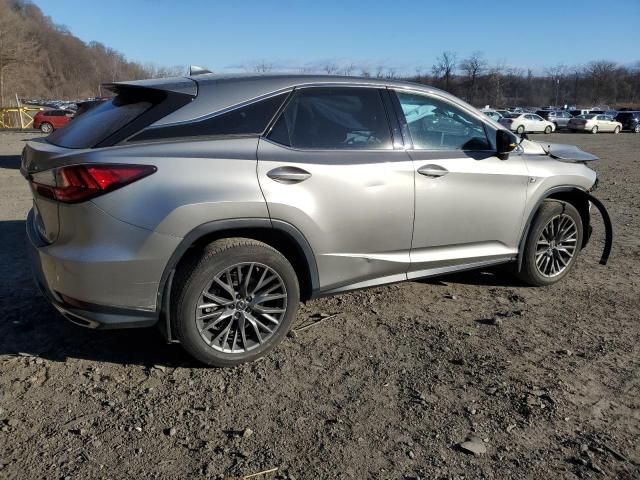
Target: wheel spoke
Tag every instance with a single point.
(227, 288)
(267, 298)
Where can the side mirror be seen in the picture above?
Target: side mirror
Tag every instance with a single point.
(505, 142)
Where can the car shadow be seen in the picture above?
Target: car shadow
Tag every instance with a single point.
(487, 277)
(10, 162)
(29, 325)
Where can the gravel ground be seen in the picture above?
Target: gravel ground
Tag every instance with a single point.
(545, 381)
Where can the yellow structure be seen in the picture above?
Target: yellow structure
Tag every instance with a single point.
(17, 117)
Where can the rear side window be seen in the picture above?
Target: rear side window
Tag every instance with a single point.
(99, 123)
(340, 118)
(438, 125)
(251, 119)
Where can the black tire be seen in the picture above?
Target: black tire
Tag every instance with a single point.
(616, 130)
(46, 127)
(594, 130)
(550, 209)
(547, 130)
(520, 130)
(198, 272)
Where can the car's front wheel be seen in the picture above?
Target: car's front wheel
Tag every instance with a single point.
(520, 129)
(547, 130)
(553, 243)
(236, 301)
(46, 127)
(636, 129)
(616, 130)
(594, 130)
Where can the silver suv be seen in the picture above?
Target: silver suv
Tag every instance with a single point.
(211, 205)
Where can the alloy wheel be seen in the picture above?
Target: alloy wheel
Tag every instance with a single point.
(241, 308)
(556, 246)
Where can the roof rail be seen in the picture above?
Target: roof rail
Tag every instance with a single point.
(196, 70)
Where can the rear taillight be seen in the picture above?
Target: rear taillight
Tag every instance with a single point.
(78, 183)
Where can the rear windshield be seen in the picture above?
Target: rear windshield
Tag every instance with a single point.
(585, 117)
(99, 122)
(512, 115)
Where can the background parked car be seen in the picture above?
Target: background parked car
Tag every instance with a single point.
(577, 112)
(527, 122)
(594, 124)
(559, 118)
(630, 120)
(50, 120)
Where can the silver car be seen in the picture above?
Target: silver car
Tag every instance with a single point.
(211, 206)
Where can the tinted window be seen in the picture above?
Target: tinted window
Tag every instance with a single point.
(99, 123)
(251, 119)
(437, 125)
(334, 118)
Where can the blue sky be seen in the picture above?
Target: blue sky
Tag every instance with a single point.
(402, 35)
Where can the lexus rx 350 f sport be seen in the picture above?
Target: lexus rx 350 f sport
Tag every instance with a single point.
(213, 205)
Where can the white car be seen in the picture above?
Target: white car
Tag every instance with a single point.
(527, 122)
(594, 124)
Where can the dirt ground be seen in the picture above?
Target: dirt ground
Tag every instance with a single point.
(547, 379)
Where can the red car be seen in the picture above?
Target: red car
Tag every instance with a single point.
(50, 120)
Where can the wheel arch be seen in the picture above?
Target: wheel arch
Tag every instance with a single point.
(282, 236)
(570, 194)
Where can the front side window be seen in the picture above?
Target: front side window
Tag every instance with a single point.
(438, 125)
(338, 118)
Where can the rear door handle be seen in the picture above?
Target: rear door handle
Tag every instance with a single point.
(288, 175)
(432, 171)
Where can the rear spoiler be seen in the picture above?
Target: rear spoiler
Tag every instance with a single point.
(166, 94)
(179, 85)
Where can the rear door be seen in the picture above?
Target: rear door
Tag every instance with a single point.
(329, 168)
(469, 203)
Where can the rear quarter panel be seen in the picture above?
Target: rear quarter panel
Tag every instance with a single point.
(196, 182)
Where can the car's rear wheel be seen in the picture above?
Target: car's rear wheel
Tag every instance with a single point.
(617, 130)
(553, 244)
(594, 130)
(235, 303)
(46, 127)
(520, 129)
(547, 130)
(636, 129)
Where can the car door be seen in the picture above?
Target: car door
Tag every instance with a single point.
(536, 122)
(330, 168)
(469, 203)
(607, 122)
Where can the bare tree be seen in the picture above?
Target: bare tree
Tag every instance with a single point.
(262, 66)
(348, 69)
(330, 68)
(445, 67)
(556, 75)
(16, 47)
(473, 66)
(600, 75)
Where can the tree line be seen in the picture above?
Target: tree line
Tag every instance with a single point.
(39, 59)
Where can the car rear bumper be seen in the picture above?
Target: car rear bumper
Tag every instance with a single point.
(100, 290)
